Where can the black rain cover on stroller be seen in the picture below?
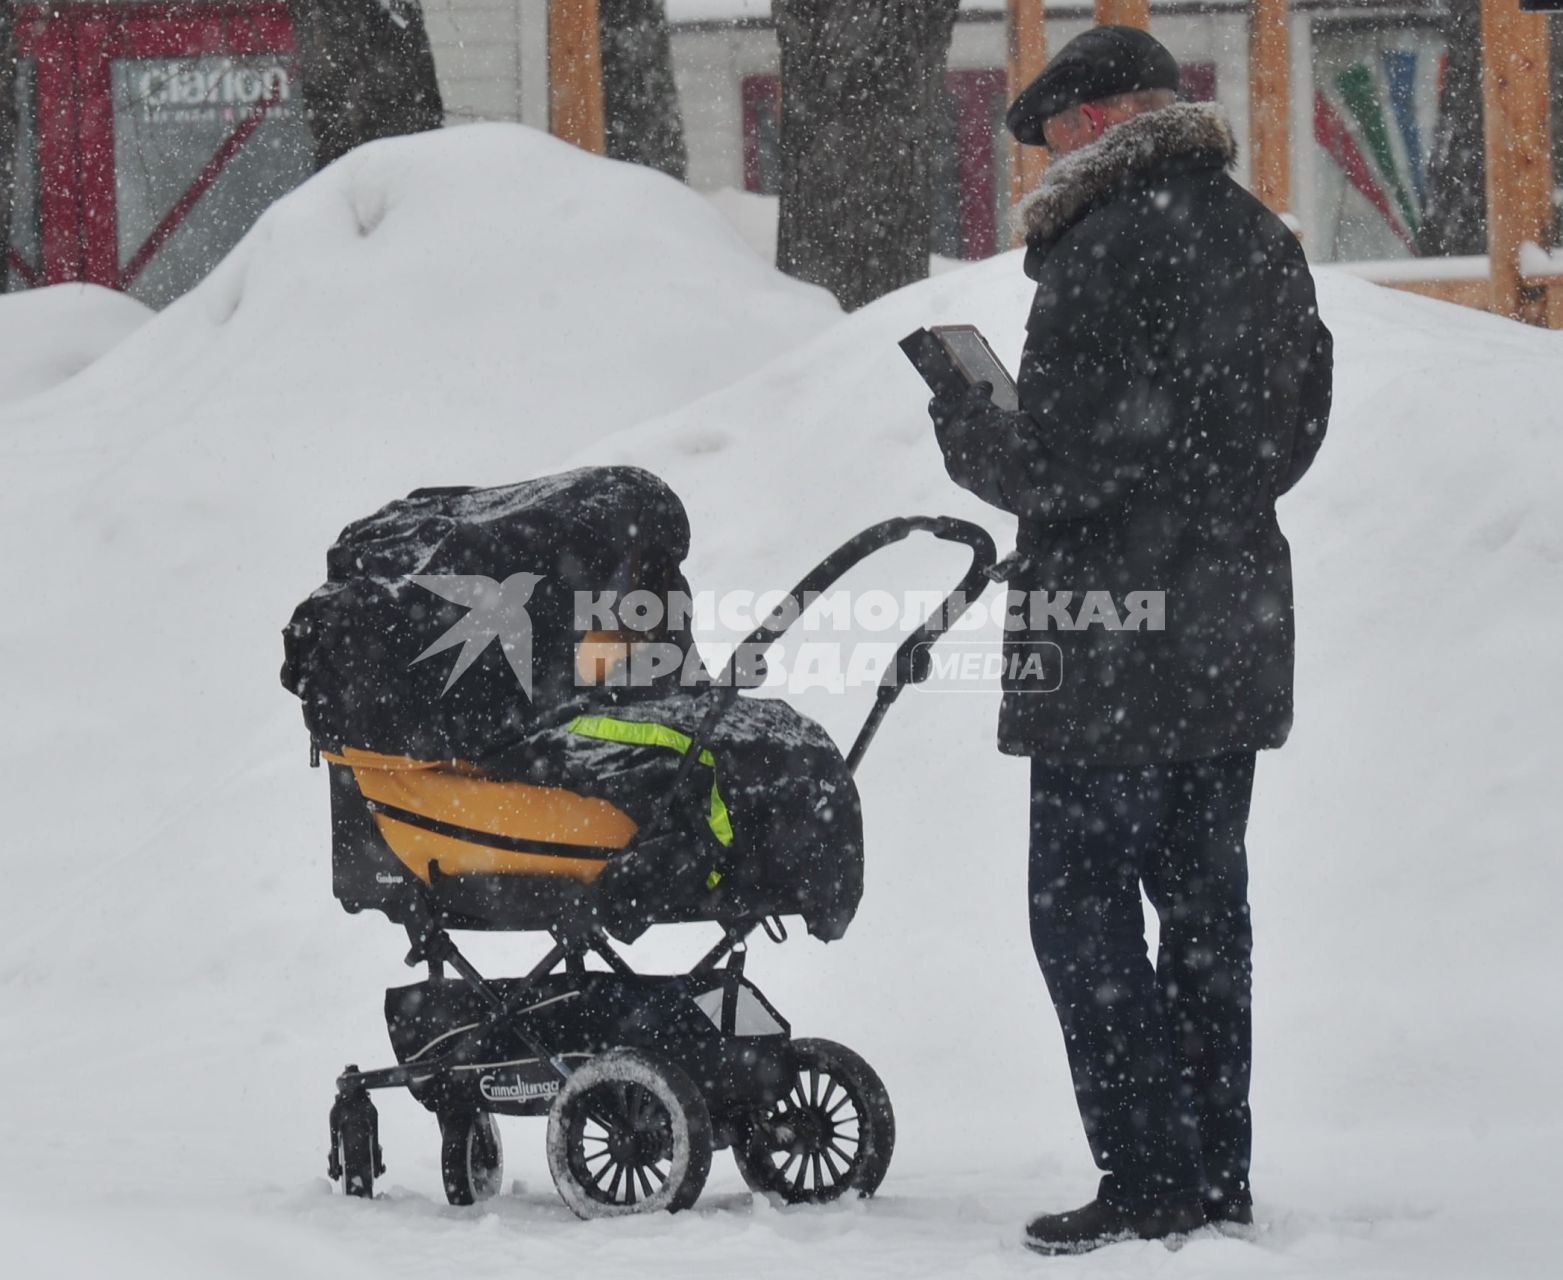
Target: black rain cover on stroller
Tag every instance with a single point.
(771, 827)
(435, 612)
(357, 651)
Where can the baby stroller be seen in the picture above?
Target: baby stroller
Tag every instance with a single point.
(588, 809)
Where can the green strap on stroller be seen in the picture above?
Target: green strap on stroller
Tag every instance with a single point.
(647, 734)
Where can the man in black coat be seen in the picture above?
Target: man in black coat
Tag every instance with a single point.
(1175, 381)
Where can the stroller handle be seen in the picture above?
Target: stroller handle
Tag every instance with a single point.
(912, 663)
(746, 666)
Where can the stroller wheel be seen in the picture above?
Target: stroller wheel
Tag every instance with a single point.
(629, 1133)
(831, 1133)
(355, 1145)
(472, 1159)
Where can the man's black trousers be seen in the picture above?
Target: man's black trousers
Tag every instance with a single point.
(1160, 1055)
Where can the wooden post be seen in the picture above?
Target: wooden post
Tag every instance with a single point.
(1027, 57)
(575, 111)
(1269, 102)
(1519, 170)
(1124, 13)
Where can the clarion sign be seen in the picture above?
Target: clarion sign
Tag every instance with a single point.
(220, 86)
(492, 1088)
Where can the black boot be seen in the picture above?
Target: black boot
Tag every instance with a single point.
(1105, 1221)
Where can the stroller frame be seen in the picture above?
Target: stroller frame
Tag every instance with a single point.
(666, 1067)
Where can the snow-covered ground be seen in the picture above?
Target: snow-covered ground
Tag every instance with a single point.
(178, 988)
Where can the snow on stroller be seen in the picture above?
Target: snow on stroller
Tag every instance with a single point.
(507, 790)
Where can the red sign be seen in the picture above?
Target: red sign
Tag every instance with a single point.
(138, 116)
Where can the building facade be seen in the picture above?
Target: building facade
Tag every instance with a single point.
(153, 134)
(1365, 82)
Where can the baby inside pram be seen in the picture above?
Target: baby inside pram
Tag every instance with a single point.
(501, 758)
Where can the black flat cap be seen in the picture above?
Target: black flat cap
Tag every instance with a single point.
(1099, 63)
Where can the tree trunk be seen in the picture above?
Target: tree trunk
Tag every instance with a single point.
(368, 72)
(1455, 220)
(1555, 73)
(640, 99)
(8, 132)
(859, 86)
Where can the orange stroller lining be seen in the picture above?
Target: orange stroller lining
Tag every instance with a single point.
(429, 810)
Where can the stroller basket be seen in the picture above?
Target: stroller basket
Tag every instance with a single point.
(517, 852)
(770, 826)
(429, 812)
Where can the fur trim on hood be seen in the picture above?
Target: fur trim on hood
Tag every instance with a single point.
(1077, 180)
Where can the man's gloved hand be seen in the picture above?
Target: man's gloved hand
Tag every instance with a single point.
(972, 437)
(957, 426)
(948, 414)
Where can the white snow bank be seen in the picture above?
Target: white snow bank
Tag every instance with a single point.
(179, 988)
(49, 335)
(434, 285)
(753, 216)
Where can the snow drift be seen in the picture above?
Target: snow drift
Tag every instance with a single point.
(50, 335)
(483, 306)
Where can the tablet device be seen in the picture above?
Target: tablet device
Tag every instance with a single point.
(951, 357)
